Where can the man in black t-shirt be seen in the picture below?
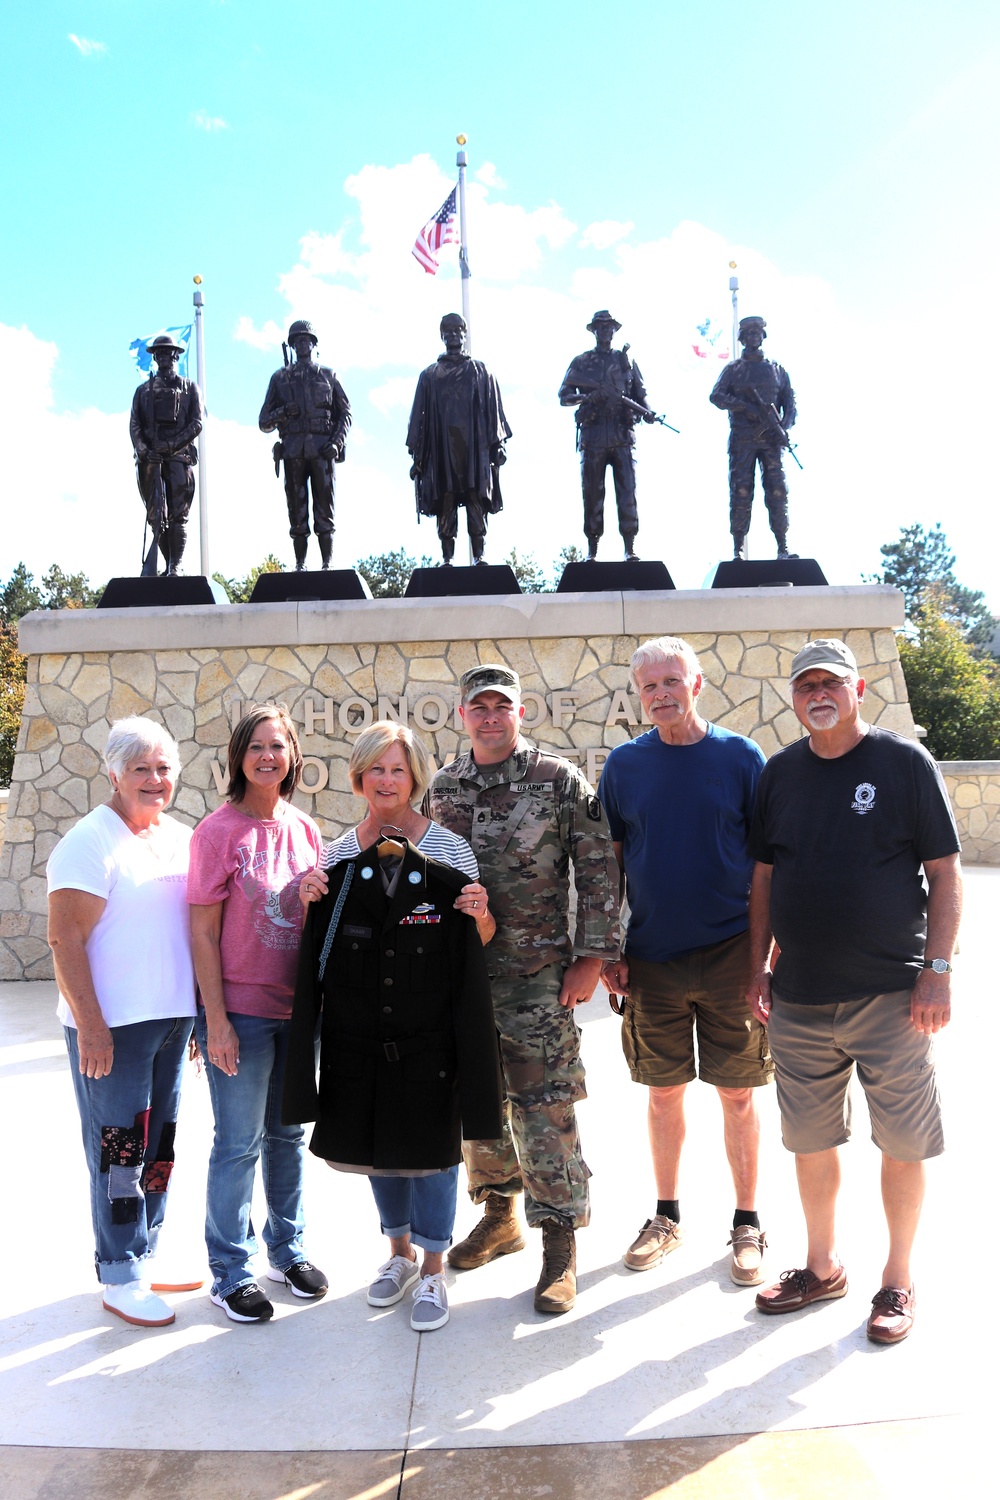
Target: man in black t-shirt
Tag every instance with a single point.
(844, 823)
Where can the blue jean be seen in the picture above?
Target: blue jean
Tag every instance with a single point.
(128, 1119)
(422, 1207)
(248, 1125)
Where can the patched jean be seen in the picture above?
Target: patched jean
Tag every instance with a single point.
(128, 1120)
(422, 1207)
(247, 1126)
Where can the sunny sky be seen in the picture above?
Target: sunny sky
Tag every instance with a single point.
(620, 156)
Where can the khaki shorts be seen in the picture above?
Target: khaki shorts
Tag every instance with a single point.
(817, 1047)
(703, 990)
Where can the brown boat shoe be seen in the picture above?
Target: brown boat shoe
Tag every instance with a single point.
(746, 1265)
(657, 1237)
(798, 1288)
(891, 1317)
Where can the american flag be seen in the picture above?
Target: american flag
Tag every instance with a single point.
(441, 230)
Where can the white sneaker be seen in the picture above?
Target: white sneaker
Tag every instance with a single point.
(430, 1304)
(392, 1280)
(137, 1304)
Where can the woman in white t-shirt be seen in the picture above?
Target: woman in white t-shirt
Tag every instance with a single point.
(118, 929)
(391, 770)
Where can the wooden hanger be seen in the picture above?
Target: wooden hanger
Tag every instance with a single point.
(389, 847)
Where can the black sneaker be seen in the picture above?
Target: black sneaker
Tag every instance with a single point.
(246, 1305)
(302, 1278)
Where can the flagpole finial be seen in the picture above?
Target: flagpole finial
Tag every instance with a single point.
(196, 280)
(461, 140)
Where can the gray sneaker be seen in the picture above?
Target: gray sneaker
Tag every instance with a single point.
(430, 1304)
(392, 1280)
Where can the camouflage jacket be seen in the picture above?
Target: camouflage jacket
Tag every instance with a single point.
(526, 819)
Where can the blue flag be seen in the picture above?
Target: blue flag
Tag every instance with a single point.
(139, 349)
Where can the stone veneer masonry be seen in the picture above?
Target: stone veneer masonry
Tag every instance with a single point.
(337, 666)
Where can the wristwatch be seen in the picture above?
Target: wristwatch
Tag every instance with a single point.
(939, 965)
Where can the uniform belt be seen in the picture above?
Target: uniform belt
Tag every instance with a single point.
(395, 1051)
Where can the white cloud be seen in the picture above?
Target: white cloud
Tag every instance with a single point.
(604, 233)
(489, 176)
(87, 48)
(393, 395)
(269, 336)
(208, 122)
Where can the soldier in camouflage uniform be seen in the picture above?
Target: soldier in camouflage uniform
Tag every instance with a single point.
(527, 815)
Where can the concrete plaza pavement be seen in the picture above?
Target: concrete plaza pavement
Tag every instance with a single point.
(663, 1383)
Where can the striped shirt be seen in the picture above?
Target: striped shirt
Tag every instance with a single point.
(437, 843)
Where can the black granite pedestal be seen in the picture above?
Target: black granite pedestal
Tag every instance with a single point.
(449, 582)
(614, 577)
(158, 593)
(799, 572)
(300, 588)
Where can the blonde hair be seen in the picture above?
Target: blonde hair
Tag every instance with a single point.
(374, 741)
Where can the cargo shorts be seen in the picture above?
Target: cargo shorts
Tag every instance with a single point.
(701, 992)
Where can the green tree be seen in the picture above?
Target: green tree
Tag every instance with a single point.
(19, 596)
(529, 575)
(566, 556)
(13, 673)
(921, 565)
(68, 590)
(240, 589)
(388, 573)
(954, 693)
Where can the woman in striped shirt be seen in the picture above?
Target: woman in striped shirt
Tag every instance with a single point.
(391, 770)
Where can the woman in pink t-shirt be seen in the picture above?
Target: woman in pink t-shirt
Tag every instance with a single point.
(246, 919)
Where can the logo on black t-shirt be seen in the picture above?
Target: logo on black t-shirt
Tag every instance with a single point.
(864, 798)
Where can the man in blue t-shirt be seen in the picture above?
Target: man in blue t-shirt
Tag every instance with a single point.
(679, 801)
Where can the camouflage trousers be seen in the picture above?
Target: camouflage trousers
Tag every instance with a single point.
(743, 461)
(540, 1147)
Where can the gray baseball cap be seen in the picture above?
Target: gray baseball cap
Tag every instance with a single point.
(490, 677)
(829, 653)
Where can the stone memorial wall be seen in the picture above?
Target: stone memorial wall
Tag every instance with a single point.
(339, 667)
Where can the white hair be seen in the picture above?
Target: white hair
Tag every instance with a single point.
(663, 648)
(131, 739)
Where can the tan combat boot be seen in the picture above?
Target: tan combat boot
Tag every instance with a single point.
(497, 1233)
(556, 1289)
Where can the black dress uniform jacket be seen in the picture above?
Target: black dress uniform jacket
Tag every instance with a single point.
(409, 1061)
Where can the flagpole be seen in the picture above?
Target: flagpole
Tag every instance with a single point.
(461, 161)
(734, 287)
(199, 334)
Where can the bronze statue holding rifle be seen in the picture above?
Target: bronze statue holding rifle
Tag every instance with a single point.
(166, 418)
(606, 388)
(760, 401)
(308, 408)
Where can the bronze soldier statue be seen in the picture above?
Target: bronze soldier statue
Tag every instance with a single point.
(456, 439)
(760, 401)
(166, 418)
(308, 407)
(607, 390)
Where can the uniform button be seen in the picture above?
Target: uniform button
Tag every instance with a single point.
(420, 950)
(390, 953)
(442, 1075)
(387, 981)
(354, 947)
(387, 1010)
